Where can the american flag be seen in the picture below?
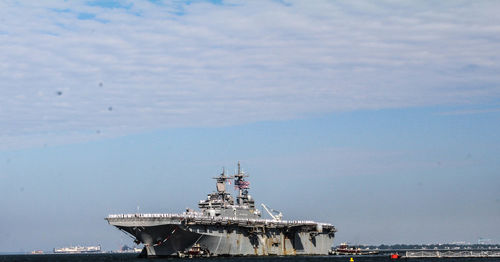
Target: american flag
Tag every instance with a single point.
(242, 184)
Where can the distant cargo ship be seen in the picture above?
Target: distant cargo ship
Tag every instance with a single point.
(78, 250)
(225, 227)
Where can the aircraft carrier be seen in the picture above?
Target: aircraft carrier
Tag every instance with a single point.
(225, 226)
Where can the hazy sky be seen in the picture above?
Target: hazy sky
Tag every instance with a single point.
(380, 118)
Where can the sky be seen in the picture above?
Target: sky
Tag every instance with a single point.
(380, 118)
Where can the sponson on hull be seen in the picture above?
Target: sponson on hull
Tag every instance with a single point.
(225, 226)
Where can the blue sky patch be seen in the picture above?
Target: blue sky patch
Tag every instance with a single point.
(110, 4)
(86, 16)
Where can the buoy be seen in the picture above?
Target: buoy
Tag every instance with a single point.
(351, 260)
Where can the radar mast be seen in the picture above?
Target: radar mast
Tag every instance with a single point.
(221, 181)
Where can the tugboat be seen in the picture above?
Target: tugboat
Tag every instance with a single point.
(195, 251)
(345, 249)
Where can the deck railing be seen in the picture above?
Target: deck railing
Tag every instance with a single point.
(201, 216)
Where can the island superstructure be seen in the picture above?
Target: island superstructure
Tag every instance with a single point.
(225, 226)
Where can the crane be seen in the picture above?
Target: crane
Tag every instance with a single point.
(277, 216)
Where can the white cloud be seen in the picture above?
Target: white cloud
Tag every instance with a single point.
(234, 63)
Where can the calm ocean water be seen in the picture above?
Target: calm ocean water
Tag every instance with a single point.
(133, 258)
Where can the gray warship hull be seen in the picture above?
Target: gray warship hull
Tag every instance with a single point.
(175, 235)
